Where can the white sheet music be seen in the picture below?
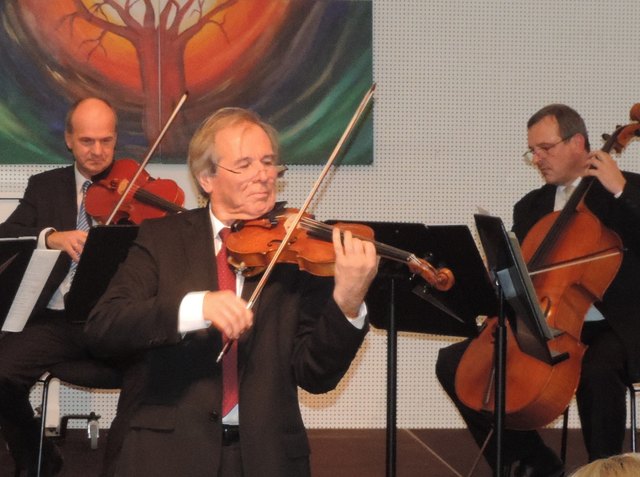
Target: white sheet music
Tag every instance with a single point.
(483, 211)
(36, 275)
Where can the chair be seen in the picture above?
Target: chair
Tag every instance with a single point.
(633, 389)
(87, 374)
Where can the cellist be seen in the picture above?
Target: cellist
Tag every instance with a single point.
(558, 145)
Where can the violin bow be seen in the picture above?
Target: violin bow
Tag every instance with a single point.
(293, 224)
(144, 162)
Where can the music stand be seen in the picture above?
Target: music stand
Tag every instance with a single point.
(106, 247)
(398, 302)
(14, 259)
(505, 262)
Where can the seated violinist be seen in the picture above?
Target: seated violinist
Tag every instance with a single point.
(51, 209)
(559, 148)
(176, 301)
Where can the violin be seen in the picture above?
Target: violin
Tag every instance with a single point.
(573, 258)
(147, 198)
(128, 193)
(252, 244)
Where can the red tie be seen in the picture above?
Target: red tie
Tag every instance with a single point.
(227, 281)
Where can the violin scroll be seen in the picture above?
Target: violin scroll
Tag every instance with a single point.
(440, 278)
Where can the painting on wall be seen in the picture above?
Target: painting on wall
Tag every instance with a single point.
(303, 65)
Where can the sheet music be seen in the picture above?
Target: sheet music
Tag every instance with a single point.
(36, 275)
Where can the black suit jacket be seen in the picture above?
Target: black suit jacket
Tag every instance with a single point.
(621, 302)
(49, 201)
(300, 338)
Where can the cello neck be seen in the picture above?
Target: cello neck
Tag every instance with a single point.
(538, 260)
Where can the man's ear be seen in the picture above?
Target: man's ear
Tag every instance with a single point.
(578, 140)
(205, 179)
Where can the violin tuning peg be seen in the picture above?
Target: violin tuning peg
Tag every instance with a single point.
(606, 137)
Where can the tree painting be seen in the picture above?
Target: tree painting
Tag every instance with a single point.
(303, 65)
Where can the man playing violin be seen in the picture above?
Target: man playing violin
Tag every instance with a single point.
(49, 210)
(174, 302)
(559, 148)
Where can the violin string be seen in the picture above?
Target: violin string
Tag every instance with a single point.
(384, 250)
(150, 198)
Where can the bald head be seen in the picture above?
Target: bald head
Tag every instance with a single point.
(90, 135)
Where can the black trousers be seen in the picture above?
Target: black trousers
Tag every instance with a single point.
(231, 461)
(47, 339)
(601, 399)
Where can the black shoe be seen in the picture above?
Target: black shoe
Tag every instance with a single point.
(51, 461)
(540, 468)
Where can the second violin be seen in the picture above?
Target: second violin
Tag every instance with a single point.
(148, 198)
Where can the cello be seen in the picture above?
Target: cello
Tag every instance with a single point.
(573, 259)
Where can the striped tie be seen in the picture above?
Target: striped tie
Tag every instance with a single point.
(82, 223)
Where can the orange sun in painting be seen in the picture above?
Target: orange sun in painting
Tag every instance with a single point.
(126, 46)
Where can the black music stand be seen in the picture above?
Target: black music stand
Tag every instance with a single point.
(106, 247)
(15, 255)
(505, 262)
(399, 302)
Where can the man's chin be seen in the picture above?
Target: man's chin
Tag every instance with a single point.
(255, 210)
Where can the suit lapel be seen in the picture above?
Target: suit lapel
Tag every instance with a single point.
(246, 339)
(199, 250)
(68, 199)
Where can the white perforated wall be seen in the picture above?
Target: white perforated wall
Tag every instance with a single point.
(457, 81)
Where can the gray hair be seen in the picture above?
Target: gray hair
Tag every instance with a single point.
(203, 156)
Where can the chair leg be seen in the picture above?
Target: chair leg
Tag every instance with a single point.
(43, 419)
(632, 404)
(565, 432)
(93, 426)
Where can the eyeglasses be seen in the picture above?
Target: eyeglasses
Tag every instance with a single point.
(249, 167)
(543, 148)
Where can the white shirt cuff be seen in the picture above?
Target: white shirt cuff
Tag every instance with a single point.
(42, 242)
(190, 316)
(359, 320)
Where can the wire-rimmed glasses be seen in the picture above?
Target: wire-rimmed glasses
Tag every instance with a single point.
(248, 168)
(542, 148)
